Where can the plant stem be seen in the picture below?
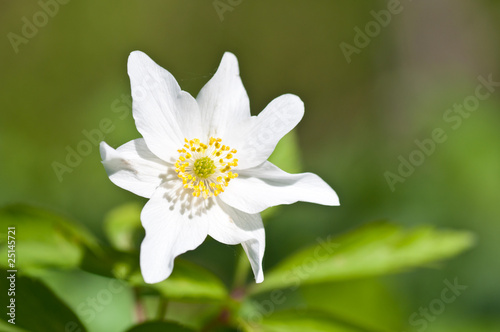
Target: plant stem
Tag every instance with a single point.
(140, 314)
(162, 308)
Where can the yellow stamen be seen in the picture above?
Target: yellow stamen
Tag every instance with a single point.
(207, 171)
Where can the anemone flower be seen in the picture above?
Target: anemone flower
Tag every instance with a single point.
(202, 163)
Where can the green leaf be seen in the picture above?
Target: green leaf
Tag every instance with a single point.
(299, 321)
(102, 304)
(159, 327)
(375, 249)
(42, 238)
(187, 281)
(37, 308)
(109, 263)
(123, 228)
(365, 303)
(8, 327)
(194, 315)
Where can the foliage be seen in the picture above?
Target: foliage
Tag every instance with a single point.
(326, 287)
(375, 249)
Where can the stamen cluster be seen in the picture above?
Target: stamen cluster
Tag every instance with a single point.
(206, 168)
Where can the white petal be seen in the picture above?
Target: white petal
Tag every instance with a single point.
(223, 101)
(163, 113)
(175, 222)
(256, 138)
(255, 252)
(244, 228)
(134, 167)
(266, 185)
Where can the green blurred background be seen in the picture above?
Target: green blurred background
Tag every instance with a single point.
(360, 117)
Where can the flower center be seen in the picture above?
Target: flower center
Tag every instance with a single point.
(206, 168)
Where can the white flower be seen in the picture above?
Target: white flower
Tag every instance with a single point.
(203, 164)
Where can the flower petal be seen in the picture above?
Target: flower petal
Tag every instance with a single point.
(223, 101)
(256, 138)
(163, 113)
(174, 223)
(134, 167)
(266, 185)
(255, 252)
(240, 227)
